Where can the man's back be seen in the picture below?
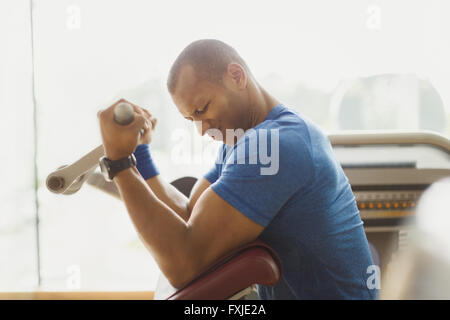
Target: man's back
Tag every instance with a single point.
(283, 175)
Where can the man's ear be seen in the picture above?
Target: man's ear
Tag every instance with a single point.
(237, 74)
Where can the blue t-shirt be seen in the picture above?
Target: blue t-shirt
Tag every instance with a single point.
(283, 175)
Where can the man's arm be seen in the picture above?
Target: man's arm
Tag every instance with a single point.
(183, 250)
(173, 198)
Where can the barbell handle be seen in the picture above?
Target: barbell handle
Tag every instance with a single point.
(124, 115)
(60, 180)
(68, 180)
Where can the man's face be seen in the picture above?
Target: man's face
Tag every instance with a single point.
(210, 105)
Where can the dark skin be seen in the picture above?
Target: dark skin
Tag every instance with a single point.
(237, 103)
(185, 236)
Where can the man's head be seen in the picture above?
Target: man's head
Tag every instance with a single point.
(209, 85)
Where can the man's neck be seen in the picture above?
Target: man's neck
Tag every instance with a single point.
(261, 103)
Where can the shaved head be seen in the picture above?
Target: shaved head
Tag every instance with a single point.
(212, 86)
(209, 59)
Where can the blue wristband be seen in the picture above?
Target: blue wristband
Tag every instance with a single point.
(144, 162)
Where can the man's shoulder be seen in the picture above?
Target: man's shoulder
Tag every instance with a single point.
(289, 125)
(286, 133)
(284, 117)
(297, 131)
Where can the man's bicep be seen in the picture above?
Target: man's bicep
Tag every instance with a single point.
(216, 227)
(200, 186)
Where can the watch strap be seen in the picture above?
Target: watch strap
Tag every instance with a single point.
(116, 166)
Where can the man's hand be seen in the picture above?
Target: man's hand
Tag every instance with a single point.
(147, 137)
(120, 141)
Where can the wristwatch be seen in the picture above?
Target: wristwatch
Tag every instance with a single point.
(110, 168)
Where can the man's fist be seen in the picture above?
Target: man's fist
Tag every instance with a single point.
(120, 141)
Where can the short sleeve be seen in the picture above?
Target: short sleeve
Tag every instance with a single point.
(213, 174)
(258, 178)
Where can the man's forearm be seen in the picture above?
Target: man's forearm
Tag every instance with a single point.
(163, 231)
(162, 189)
(168, 194)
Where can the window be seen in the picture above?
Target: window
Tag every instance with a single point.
(346, 65)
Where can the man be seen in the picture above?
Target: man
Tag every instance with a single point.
(302, 206)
